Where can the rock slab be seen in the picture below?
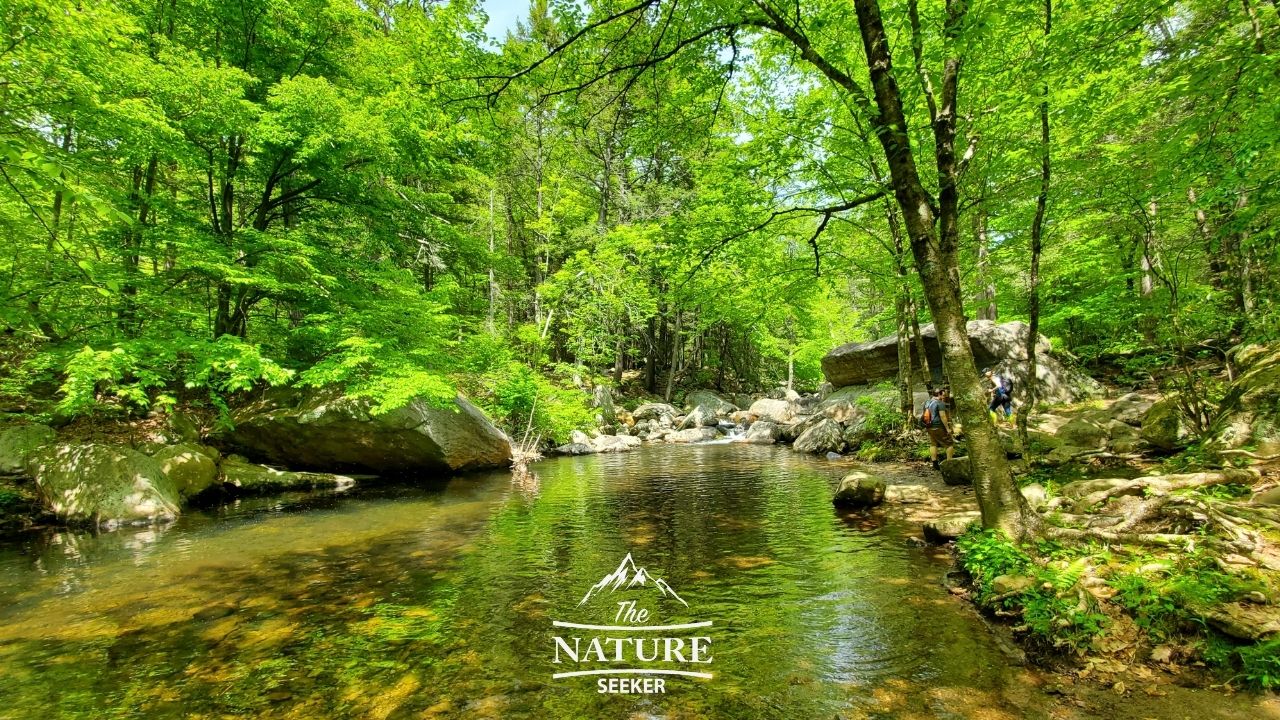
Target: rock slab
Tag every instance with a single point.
(949, 527)
(1002, 346)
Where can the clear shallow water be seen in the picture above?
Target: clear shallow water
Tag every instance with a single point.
(409, 603)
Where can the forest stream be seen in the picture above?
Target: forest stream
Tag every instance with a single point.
(394, 602)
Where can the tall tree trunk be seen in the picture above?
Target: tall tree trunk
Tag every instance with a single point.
(933, 235)
(618, 348)
(902, 310)
(675, 358)
(144, 184)
(904, 358)
(1037, 236)
(925, 365)
(987, 286)
(493, 286)
(1148, 248)
(651, 356)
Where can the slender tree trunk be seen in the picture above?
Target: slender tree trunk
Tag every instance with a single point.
(933, 236)
(618, 348)
(675, 358)
(925, 365)
(144, 184)
(1216, 270)
(651, 356)
(1148, 244)
(904, 358)
(987, 287)
(1030, 390)
(903, 310)
(493, 287)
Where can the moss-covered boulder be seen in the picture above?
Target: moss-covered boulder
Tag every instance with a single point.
(763, 433)
(18, 443)
(1165, 427)
(253, 479)
(693, 435)
(102, 485)
(1251, 407)
(710, 400)
(326, 430)
(192, 468)
(859, 490)
(700, 416)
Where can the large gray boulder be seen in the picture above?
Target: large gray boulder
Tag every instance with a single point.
(1001, 346)
(701, 416)
(574, 448)
(859, 490)
(658, 412)
(602, 400)
(103, 485)
(1130, 409)
(250, 478)
(615, 443)
(823, 437)
(693, 435)
(763, 433)
(778, 411)
(956, 471)
(326, 430)
(17, 444)
(708, 399)
(192, 468)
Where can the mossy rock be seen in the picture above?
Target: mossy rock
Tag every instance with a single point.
(103, 485)
(17, 444)
(192, 468)
(859, 490)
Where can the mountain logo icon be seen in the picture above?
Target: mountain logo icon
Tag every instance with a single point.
(628, 576)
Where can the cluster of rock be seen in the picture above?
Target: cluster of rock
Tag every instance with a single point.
(1131, 424)
(110, 485)
(820, 423)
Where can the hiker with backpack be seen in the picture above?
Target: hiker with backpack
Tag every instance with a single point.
(1001, 393)
(936, 419)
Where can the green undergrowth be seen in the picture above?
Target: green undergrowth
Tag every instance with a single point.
(1166, 596)
(1055, 614)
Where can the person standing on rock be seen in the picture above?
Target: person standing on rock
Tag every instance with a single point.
(937, 420)
(1001, 406)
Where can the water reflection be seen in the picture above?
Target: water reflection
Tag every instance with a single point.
(391, 603)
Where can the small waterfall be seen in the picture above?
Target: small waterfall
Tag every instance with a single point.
(732, 433)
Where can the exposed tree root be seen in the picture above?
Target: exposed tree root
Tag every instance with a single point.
(1091, 493)
(1163, 519)
(1250, 455)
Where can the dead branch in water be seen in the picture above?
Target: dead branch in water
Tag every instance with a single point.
(526, 452)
